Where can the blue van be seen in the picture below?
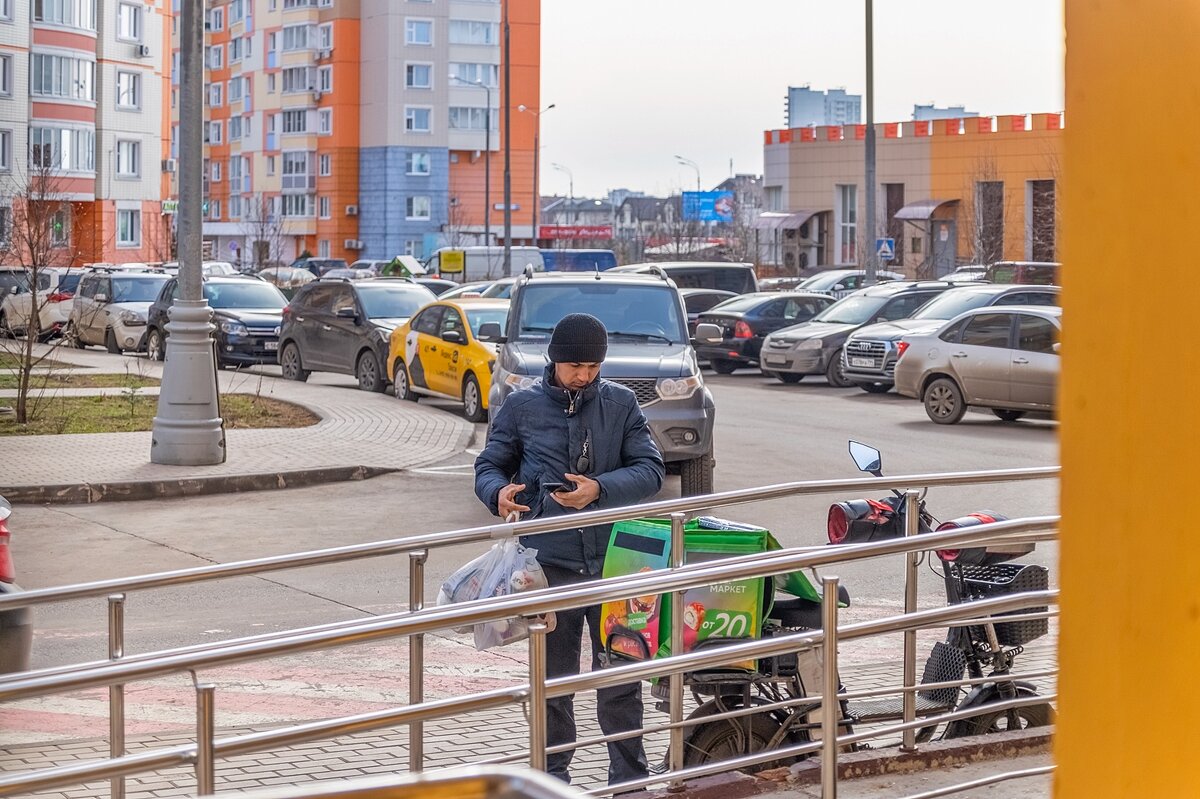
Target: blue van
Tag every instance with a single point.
(579, 260)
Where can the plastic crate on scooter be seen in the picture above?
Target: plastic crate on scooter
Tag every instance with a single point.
(1003, 579)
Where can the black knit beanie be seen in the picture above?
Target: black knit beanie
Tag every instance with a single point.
(578, 338)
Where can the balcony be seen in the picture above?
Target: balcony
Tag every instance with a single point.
(299, 183)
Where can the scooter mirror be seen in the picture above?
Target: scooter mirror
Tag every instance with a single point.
(867, 459)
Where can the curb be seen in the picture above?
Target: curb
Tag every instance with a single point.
(870, 763)
(87, 493)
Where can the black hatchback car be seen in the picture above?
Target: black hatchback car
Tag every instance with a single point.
(344, 326)
(745, 322)
(247, 314)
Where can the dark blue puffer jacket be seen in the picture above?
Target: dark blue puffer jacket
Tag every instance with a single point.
(538, 436)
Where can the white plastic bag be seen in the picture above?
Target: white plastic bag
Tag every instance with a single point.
(506, 568)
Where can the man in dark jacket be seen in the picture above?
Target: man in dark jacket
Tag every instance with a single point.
(574, 442)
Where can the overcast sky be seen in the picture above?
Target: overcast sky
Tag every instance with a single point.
(636, 82)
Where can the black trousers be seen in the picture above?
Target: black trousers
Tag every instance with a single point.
(618, 708)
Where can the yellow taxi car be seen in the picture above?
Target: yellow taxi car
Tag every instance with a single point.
(439, 352)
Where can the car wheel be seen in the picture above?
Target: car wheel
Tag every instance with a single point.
(722, 366)
(473, 400)
(1006, 415)
(370, 375)
(5, 330)
(835, 374)
(696, 475)
(791, 378)
(875, 388)
(291, 365)
(156, 348)
(110, 342)
(944, 401)
(70, 336)
(400, 386)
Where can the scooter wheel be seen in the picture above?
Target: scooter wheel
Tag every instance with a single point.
(729, 738)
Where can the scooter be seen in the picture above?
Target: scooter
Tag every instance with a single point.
(991, 648)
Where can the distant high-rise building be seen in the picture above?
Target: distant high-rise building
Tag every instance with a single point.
(926, 112)
(834, 107)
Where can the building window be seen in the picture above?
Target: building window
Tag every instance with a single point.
(847, 224)
(235, 54)
(415, 248)
(235, 90)
(129, 90)
(216, 19)
(214, 209)
(419, 207)
(323, 206)
(5, 152)
(60, 228)
(989, 221)
(236, 11)
(774, 198)
(417, 163)
(325, 79)
(295, 121)
(6, 75)
(216, 171)
(270, 165)
(468, 118)
(470, 31)
(235, 128)
(235, 207)
(299, 37)
(325, 36)
(271, 83)
(1040, 202)
(298, 79)
(129, 159)
(296, 171)
(6, 12)
(216, 57)
(487, 74)
(326, 162)
(416, 119)
(71, 13)
(5, 224)
(68, 149)
(129, 228)
(298, 205)
(216, 132)
(418, 31)
(325, 121)
(323, 248)
(129, 22)
(216, 93)
(418, 76)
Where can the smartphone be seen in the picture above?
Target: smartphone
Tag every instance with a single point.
(557, 488)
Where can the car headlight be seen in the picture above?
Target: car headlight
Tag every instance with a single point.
(520, 381)
(810, 344)
(231, 327)
(678, 388)
(131, 318)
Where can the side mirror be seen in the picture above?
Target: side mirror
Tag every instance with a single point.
(100, 297)
(347, 313)
(490, 331)
(1056, 346)
(839, 287)
(15, 290)
(452, 336)
(867, 459)
(707, 333)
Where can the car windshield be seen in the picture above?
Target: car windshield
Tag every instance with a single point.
(951, 303)
(823, 281)
(742, 303)
(478, 318)
(650, 313)
(393, 302)
(250, 294)
(69, 282)
(500, 290)
(851, 310)
(128, 289)
(8, 279)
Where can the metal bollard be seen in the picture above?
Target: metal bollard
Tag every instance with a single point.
(678, 556)
(116, 693)
(537, 695)
(830, 706)
(205, 730)
(416, 659)
(912, 527)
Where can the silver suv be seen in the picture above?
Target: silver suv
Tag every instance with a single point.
(869, 357)
(649, 352)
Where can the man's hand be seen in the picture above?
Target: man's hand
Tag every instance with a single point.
(506, 505)
(586, 492)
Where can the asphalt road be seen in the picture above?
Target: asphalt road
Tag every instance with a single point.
(766, 433)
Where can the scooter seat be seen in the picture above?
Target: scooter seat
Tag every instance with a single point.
(803, 613)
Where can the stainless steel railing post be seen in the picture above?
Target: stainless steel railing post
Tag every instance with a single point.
(116, 693)
(678, 556)
(912, 527)
(416, 659)
(537, 695)
(205, 732)
(830, 706)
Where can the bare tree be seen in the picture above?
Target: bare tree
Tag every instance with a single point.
(455, 229)
(985, 211)
(158, 234)
(264, 231)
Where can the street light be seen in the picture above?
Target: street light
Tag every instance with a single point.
(693, 165)
(571, 187)
(537, 195)
(487, 159)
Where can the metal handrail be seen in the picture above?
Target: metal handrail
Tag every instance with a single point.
(533, 603)
(469, 535)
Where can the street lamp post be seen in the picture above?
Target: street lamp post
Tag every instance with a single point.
(188, 430)
(487, 160)
(507, 148)
(537, 195)
(869, 146)
(570, 189)
(693, 165)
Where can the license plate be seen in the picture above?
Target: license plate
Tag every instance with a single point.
(866, 362)
(775, 361)
(270, 345)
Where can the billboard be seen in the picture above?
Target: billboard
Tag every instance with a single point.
(573, 232)
(708, 206)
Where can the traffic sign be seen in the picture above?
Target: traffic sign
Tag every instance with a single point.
(885, 249)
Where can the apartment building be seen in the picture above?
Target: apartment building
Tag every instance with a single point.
(360, 128)
(81, 125)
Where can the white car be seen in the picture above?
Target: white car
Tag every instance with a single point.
(55, 297)
(111, 307)
(843, 282)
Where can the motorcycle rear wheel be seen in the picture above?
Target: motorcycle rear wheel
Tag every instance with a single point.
(726, 739)
(999, 721)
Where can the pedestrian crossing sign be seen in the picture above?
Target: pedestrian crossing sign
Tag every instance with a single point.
(885, 249)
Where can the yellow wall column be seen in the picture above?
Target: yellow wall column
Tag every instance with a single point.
(1129, 714)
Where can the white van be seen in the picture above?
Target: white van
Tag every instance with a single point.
(486, 263)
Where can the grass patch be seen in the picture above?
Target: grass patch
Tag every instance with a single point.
(125, 414)
(64, 380)
(10, 360)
